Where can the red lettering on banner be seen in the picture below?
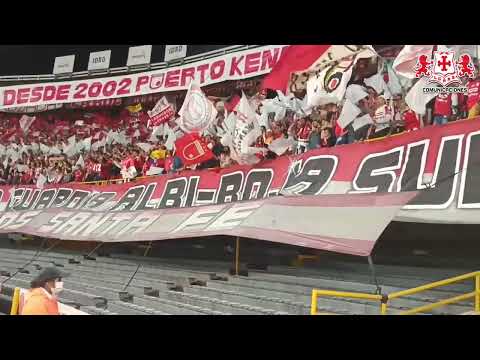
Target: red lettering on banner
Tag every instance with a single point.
(268, 60)
(142, 80)
(49, 93)
(172, 78)
(217, 69)
(252, 61)
(36, 94)
(63, 91)
(9, 97)
(22, 95)
(187, 73)
(80, 91)
(202, 69)
(234, 70)
(124, 86)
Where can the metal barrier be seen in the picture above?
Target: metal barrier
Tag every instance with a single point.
(352, 295)
(474, 294)
(384, 299)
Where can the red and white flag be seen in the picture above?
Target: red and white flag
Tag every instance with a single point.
(298, 62)
(161, 113)
(192, 149)
(25, 122)
(330, 84)
(406, 60)
(197, 112)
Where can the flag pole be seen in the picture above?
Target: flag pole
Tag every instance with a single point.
(237, 256)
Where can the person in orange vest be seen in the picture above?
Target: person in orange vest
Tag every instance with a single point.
(41, 299)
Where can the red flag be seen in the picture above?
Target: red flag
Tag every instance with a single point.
(295, 58)
(192, 149)
(232, 103)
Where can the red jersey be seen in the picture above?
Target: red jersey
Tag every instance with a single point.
(168, 164)
(462, 102)
(128, 163)
(78, 175)
(138, 163)
(473, 88)
(411, 120)
(443, 105)
(304, 133)
(106, 169)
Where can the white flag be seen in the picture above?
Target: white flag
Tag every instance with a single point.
(154, 171)
(110, 137)
(2, 149)
(460, 49)
(26, 122)
(280, 145)
(87, 143)
(71, 139)
(35, 148)
(80, 162)
(70, 149)
(349, 112)
(22, 168)
(157, 130)
(171, 137)
(197, 112)
(362, 121)
(41, 180)
(44, 149)
(144, 146)
(416, 99)
(355, 93)
(54, 151)
(406, 60)
(376, 81)
(247, 129)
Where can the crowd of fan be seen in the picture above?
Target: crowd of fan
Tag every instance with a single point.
(319, 129)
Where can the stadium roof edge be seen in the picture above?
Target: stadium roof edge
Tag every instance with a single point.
(7, 80)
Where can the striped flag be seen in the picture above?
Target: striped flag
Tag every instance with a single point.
(299, 62)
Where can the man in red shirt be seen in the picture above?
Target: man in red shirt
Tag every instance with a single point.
(444, 108)
(473, 88)
(106, 168)
(303, 129)
(78, 175)
(411, 120)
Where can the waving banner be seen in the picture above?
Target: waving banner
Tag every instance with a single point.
(234, 66)
(429, 175)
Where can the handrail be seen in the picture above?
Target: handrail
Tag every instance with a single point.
(433, 285)
(384, 299)
(353, 295)
(475, 294)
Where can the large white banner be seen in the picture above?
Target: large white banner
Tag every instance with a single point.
(235, 66)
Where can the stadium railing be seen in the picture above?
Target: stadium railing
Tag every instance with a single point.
(384, 299)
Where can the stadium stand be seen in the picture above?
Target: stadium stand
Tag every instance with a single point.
(99, 144)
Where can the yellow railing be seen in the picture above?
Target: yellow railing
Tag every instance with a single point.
(351, 295)
(384, 299)
(474, 294)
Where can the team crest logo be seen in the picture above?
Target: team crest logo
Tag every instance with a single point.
(156, 81)
(443, 68)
